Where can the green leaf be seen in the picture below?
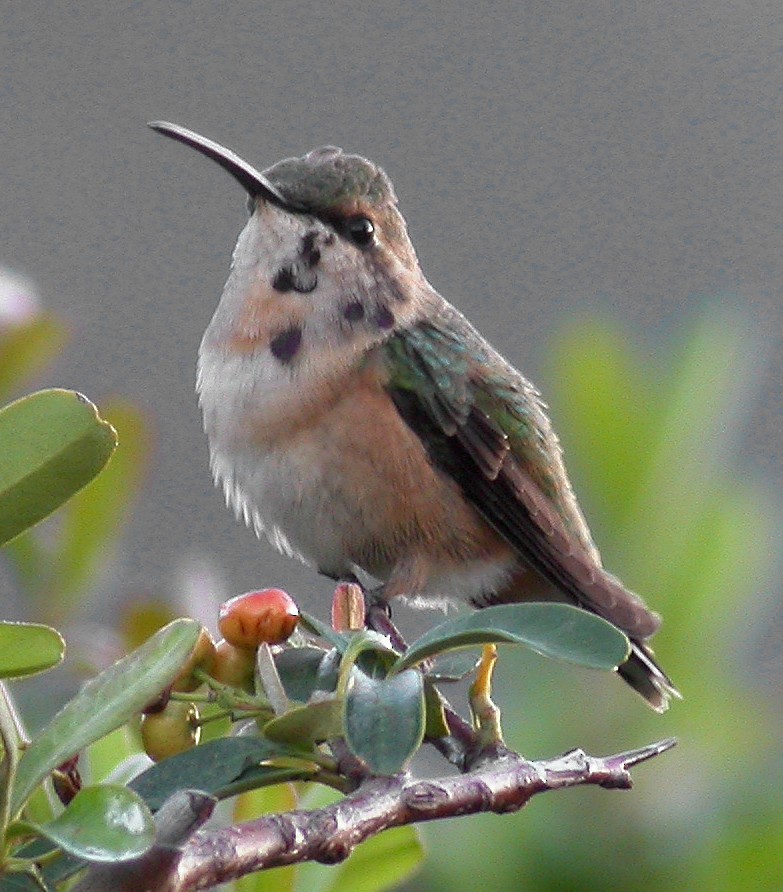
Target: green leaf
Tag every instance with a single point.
(554, 630)
(104, 757)
(314, 625)
(103, 823)
(259, 776)
(371, 652)
(597, 374)
(28, 648)
(304, 670)
(384, 718)
(435, 721)
(314, 722)
(25, 349)
(453, 666)
(53, 443)
(104, 703)
(94, 518)
(210, 767)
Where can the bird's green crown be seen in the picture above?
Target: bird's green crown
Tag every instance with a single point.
(326, 179)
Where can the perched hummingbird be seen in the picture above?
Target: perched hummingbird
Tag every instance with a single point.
(359, 420)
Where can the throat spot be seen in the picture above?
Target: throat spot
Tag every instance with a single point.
(295, 276)
(285, 345)
(299, 274)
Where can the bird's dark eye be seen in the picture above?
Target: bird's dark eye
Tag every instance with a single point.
(360, 230)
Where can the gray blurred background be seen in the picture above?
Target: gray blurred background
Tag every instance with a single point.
(553, 159)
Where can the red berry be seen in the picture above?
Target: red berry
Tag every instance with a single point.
(266, 617)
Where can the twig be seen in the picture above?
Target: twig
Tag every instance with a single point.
(501, 784)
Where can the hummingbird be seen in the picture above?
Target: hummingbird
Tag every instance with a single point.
(359, 421)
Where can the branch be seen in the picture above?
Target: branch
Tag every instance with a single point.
(501, 784)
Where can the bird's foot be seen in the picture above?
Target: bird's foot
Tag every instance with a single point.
(486, 715)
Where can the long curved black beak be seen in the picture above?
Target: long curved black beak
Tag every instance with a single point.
(252, 180)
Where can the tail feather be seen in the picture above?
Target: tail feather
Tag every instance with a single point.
(645, 676)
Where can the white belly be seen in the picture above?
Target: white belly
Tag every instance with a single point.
(283, 495)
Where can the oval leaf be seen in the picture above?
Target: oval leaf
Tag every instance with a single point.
(105, 823)
(106, 702)
(53, 443)
(302, 671)
(210, 767)
(453, 666)
(95, 516)
(28, 648)
(554, 630)
(385, 718)
(314, 722)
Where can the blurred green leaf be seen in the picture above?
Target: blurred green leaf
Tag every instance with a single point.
(103, 823)
(60, 570)
(385, 718)
(554, 630)
(28, 559)
(302, 725)
(105, 755)
(368, 650)
(340, 640)
(265, 801)
(452, 666)
(95, 517)
(53, 443)
(26, 349)
(143, 618)
(210, 767)
(301, 670)
(435, 719)
(28, 648)
(598, 376)
(104, 703)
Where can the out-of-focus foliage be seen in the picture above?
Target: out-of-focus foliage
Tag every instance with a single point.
(652, 446)
(53, 443)
(653, 450)
(57, 569)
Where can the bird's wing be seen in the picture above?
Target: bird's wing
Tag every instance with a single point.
(490, 433)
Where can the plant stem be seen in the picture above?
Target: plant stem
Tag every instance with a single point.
(13, 738)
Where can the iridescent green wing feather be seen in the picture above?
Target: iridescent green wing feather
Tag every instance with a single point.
(485, 426)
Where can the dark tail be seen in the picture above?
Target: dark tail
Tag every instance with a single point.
(644, 675)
